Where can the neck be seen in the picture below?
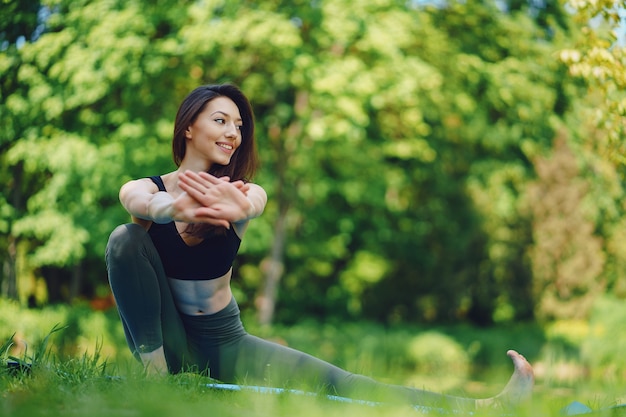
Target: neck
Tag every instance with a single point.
(194, 166)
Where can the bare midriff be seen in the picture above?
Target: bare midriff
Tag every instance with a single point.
(201, 297)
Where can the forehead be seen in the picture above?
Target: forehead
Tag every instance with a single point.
(224, 105)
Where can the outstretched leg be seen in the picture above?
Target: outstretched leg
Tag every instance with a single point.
(262, 361)
(517, 391)
(235, 356)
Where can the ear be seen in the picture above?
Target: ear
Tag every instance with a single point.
(188, 132)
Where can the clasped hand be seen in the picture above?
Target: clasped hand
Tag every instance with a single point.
(213, 200)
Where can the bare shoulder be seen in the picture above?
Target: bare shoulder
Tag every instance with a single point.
(141, 185)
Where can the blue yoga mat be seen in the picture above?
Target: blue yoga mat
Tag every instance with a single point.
(573, 409)
(274, 390)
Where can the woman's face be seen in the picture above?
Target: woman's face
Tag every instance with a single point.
(216, 133)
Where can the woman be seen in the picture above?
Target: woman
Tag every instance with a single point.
(170, 269)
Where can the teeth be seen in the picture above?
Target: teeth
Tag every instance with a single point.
(225, 146)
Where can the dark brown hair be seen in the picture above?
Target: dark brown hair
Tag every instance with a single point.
(244, 162)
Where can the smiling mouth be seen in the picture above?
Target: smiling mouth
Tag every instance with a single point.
(225, 146)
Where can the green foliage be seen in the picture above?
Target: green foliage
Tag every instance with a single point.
(83, 331)
(18, 19)
(445, 362)
(410, 202)
(398, 146)
(439, 354)
(597, 58)
(602, 347)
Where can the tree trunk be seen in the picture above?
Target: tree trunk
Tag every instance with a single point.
(9, 285)
(273, 267)
(286, 143)
(76, 281)
(56, 284)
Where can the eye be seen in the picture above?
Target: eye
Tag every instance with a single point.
(239, 127)
(220, 121)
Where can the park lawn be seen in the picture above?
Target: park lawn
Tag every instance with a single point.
(86, 386)
(71, 377)
(55, 392)
(171, 397)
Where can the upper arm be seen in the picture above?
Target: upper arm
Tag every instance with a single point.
(135, 196)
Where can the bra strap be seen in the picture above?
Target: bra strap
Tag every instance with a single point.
(159, 182)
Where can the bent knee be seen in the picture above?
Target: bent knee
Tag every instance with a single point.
(125, 240)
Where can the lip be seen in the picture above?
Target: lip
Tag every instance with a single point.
(224, 147)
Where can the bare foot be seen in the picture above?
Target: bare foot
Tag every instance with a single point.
(519, 388)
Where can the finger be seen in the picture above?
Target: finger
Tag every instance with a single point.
(195, 182)
(208, 212)
(200, 182)
(186, 175)
(244, 188)
(203, 197)
(190, 176)
(240, 186)
(189, 189)
(206, 215)
(211, 179)
(217, 213)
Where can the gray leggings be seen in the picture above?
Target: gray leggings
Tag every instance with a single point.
(218, 343)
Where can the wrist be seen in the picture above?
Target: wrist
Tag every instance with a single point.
(251, 210)
(161, 208)
(249, 213)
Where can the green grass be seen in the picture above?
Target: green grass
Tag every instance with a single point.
(81, 366)
(83, 387)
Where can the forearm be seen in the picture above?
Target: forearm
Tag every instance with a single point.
(144, 204)
(135, 197)
(160, 208)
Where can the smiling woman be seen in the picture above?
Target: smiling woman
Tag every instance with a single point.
(215, 134)
(170, 269)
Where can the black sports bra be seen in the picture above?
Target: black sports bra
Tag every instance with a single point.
(209, 259)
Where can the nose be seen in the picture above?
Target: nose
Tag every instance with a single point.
(231, 130)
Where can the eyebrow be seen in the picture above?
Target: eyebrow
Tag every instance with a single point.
(226, 114)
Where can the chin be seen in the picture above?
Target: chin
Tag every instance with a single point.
(222, 161)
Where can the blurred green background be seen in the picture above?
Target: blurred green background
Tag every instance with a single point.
(449, 174)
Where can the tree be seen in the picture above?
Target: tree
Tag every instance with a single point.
(18, 23)
(596, 61)
(397, 142)
(567, 256)
(79, 98)
(598, 58)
